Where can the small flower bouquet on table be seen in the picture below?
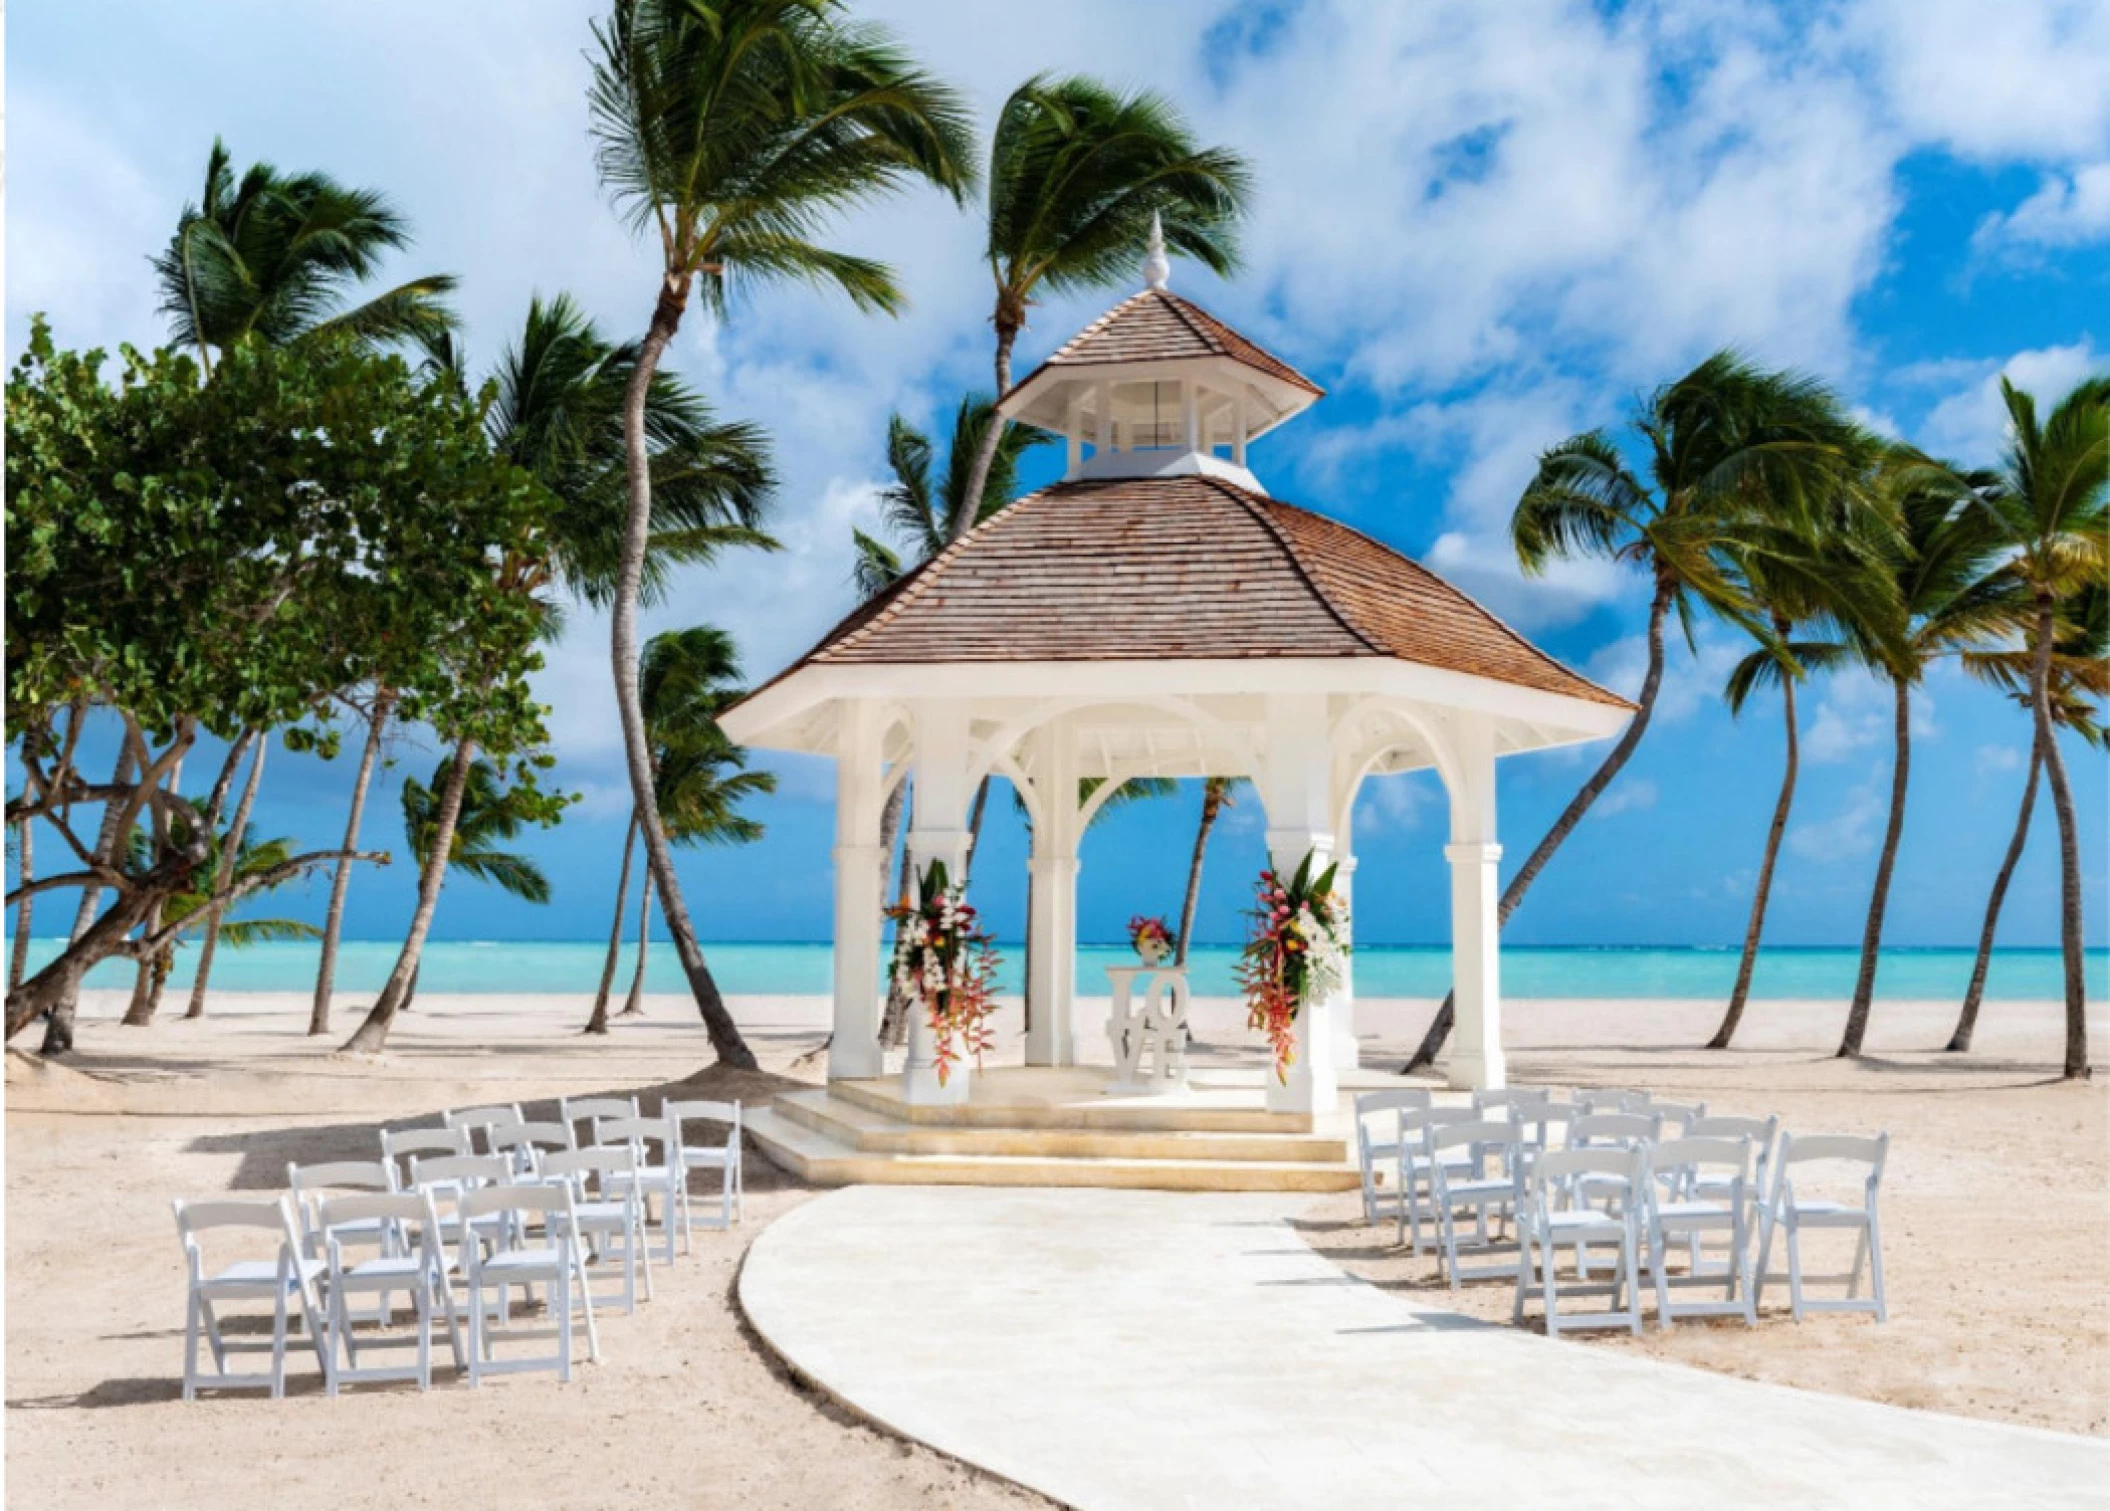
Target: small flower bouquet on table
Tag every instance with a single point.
(1152, 941)
(946, 963)
(1295, 954)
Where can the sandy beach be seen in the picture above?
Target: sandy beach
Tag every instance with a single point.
(1997, 1211)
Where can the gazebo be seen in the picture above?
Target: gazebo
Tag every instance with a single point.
(1158, 613)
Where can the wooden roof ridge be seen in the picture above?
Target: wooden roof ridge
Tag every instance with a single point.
(1214, 336)
(1255, 505)
(1515, 636)
(1230, 341)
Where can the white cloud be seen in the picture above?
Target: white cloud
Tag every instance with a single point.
(2020, 79)
(2067, 211)
(1394, 804)
(1636, 795)
(1970, 425)
(1992, 758)
(1689, 679)
(1847, 834)
(1856, 712)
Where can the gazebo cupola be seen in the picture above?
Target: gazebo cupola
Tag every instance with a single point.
(1159, 387)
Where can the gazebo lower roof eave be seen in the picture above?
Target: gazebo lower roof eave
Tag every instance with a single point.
(781, 715)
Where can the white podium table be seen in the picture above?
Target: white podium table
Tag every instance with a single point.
(1152, 1029)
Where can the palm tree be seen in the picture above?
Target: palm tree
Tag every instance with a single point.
(1949, 595)
(2080, 678)
(733, 131)
(274, 257)
(237, 827)
(376, 713)
(1216, 796)
(1804, 582)
(921, 515)
(229, 862)
(487, 814)
(687, 678)
(558, 413)
(1078, 172)
(1726, 443)
(2051, 508)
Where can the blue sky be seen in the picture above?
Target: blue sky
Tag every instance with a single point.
(1481, 227)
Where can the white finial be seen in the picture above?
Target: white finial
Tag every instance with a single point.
(1157, 267)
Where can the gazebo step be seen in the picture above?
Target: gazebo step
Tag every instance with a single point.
(1075, 1098)
(872, 1132)
(818, 1157)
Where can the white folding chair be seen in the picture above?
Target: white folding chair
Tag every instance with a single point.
(477, 1121)
(286, 1276)
(416, 1262)
(547, 1255)
(573, 1111)
(1678, 1117)
(1721, 1210)
(1610, 1099)
(657, 1176)
(721, 1154)
(606, 1206)
(1377, 1132)
(523, 1142)
(1554, 1216)
(1763, 1133)
(400, 1145)
(1490, 1184)
(309, 1183)
(1415, 1165)
(1498, 1098)
(1794, 1211)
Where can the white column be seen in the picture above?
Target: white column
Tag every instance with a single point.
(1348, 1050)
(860, 884)
(1053, 921)
(1296, 788)
(1073, 425)
(1103, 397)
(1476, 1060)
(1238, 428)
(1190, 414)
(938, 832)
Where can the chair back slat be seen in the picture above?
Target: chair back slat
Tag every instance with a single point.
(1613, 1128)
(1860, 1149)
(234, 1212)
(1691, 1153)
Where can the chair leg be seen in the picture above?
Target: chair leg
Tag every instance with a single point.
(1658, 1262)
(278, 1347)
(1875, 1265)
(593, 1337)
(1794, 1269)
(1546, 1286)
(1633, 1278)
(477, 1341)
(190, 1346)
(563, 1299)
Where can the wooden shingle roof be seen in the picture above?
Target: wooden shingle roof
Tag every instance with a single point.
(1179, 568)
(1156, 326)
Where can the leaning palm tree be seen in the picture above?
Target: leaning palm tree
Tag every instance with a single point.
(1078, 173)
(1950, 595)
(1805, 584)
(488, 815)
(558, 413)
(2051, 509)
(1725, 443)
(2080, 680)
(686, 679)
(1217, 795)
(733, 131)
(276, 257)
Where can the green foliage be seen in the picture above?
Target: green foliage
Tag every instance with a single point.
(559, 414)
(735, 129)
(490, 812)
(260, 865)
(272, 258)
(235, 553)
(686, 678)
(922, 514)
(1077, 169)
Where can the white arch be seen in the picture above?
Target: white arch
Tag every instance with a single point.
(1429, 735)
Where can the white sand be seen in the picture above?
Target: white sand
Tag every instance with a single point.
(1997, 1217)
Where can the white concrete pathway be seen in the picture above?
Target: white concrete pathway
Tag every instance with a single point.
(1117, 1349)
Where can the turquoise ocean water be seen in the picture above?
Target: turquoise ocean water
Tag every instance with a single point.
(502, 966)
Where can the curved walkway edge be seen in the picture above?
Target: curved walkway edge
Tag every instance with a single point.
(1144, 1349)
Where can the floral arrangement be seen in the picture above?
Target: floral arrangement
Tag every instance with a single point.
(1296, 953)
(944, 961)
(1150, 938)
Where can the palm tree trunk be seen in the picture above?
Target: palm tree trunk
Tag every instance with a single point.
(410, 992)
(598, 1022)
(341, 880)
(637, 748)
(230, 852)
(893, 1018)
(634, 1004)
(146, 981)
(974, 829)
(18, 964)
(1513, 895)
(1212, 805)
(1872, 935)
(372, 1034)
(1967, 1020)
(1741, 993)
(992, 435)
(2076, 1062)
